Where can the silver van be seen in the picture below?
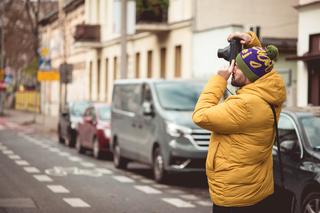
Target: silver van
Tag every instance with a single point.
(151, 122)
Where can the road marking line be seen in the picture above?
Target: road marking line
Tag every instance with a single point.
(87, 164)
(43, 178)
(76, 202)
(204, 203)
(22, 163)
(175, 191)
(7, 152)
(148, 189)
(123, 179)
(58, 189)
(178, 203)
(64, 154)
(146, 181)
(104, 171)
(31, 169)
(54, 149)
(14, 157)
(160, 186)
(190, 197)
(75, 159)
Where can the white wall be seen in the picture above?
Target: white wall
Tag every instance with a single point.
(308, 24)
(205, 47)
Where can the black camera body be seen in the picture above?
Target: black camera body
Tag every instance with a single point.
(230, 52)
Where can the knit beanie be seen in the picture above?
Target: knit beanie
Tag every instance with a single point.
(256, 61)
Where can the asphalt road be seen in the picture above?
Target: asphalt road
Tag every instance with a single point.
(39, 175)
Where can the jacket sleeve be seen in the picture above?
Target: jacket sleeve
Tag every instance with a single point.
(223, 118)
(255, 42)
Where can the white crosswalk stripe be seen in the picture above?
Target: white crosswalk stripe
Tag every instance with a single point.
(58, 189)
(31, 169)
(178, 203)
(76, 202)
(123, 179)
(148, 189)
(22, 163)
(43, 178)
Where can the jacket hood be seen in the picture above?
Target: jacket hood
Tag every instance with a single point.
(269, 87)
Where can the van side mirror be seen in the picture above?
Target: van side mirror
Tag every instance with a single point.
(147, 108)
(287, 146)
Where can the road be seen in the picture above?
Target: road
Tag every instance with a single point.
(40, 175)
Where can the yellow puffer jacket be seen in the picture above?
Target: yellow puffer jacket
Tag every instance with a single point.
(239, 159)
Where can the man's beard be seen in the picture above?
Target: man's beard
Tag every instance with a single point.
(236, 83)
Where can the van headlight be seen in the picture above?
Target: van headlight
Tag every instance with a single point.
(176, 130)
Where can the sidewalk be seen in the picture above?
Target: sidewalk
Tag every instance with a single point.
(43, 124)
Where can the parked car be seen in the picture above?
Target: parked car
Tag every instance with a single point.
(299, 135)
(69, 119)
(94, 131)
(152, 123)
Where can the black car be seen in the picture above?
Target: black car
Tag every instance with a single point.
(69, 119)
(299, 136)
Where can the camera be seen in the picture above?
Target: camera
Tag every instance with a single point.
(230, 52)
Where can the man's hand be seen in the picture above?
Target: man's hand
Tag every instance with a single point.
(244, 37)
(225, 73)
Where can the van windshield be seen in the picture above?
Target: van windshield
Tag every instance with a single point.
(178, 96)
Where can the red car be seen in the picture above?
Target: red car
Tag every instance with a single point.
(94, 132)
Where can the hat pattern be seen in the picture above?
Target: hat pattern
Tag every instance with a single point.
(256, 61)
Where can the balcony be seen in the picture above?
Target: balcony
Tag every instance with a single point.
(152, 18)
(87, 33)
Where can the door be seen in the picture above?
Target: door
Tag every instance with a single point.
(292, 155)
(145, 125)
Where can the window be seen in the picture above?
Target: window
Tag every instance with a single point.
(287, 133)
(163, 54)
(137, 65)
(177, 67)
(90, 79)
(127, 97)
(98, 79)
(149, 65)
(115, 68)
(106, 78)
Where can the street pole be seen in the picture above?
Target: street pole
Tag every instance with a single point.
(123, 62)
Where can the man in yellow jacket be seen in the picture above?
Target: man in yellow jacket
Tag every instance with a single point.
(239, 160)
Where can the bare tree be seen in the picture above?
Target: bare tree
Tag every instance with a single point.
(19, 21)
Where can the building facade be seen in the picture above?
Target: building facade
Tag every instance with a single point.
(179, 40)
(308, 55)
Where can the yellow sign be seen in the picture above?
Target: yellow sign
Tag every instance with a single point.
(1, 74)
(48, 75)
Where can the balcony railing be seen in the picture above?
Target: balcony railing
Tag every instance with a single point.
(87, 33)
(154, 19)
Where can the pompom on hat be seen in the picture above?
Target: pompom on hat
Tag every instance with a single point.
(255, 62)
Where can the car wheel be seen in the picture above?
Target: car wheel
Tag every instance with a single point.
(79, 146)
(118, 161)
(71, 139)
(311, 203)
(159, 172)
(60, 138)
(96, 149)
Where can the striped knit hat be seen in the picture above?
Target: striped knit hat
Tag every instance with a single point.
(256, 61)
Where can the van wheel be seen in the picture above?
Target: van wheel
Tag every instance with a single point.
(118, 161)
(96, 149)
(311, 203)
(79, 146)
(159, 172)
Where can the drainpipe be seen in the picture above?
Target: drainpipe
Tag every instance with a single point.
(123, 62)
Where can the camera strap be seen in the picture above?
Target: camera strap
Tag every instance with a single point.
(278, 146)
